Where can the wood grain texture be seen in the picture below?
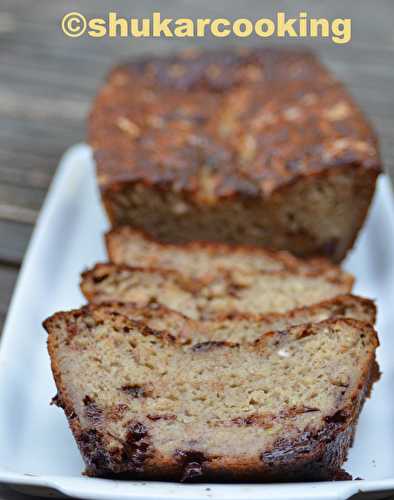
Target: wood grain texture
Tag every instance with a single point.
(8, 277)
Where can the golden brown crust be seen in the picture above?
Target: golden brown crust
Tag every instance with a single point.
(313, 455)
(226, 123)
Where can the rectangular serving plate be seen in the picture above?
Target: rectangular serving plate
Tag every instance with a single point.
(37, 450)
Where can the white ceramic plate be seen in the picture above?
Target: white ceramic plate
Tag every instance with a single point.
(36, 447)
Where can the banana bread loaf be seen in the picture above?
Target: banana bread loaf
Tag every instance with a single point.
(141, 404)
(258, 146)
(219, 295)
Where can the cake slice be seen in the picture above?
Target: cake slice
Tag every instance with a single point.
(219, 295)
(141, 404)
(240, 328)
(197, 259)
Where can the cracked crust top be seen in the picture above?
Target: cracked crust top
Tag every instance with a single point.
(216, 124)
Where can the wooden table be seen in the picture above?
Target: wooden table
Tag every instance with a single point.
(47, 82)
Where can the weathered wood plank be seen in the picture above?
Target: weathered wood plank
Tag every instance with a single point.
(8, 277)
(25, 170)
(14, 238)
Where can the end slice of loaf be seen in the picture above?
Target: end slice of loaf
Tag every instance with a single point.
(141, 404)
(219, 295)
(240, 328)
(199, 259)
